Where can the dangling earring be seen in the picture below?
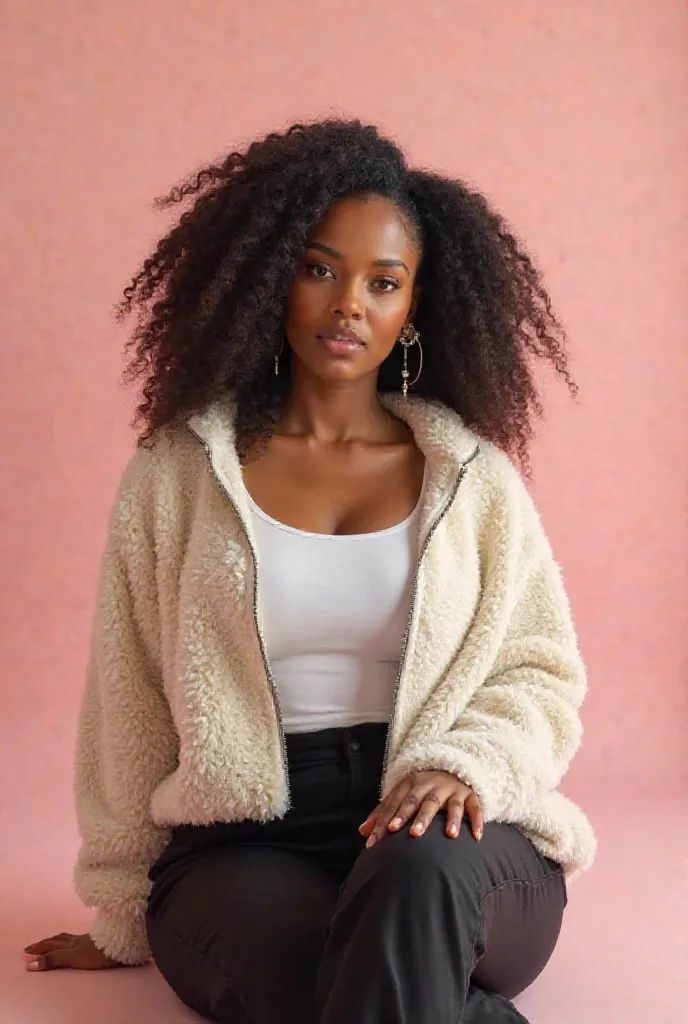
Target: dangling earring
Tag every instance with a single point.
(277, 358)
(408, 337)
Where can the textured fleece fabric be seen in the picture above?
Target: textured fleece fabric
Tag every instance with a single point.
(179, 723)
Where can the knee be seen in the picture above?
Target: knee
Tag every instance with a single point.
(418, 863)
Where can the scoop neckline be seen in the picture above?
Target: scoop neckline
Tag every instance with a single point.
(372, 534)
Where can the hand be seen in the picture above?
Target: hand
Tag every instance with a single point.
(76, 951)
(421, 796)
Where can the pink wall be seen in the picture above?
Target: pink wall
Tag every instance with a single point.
(572, 115)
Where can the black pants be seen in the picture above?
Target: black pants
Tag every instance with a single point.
(293, 921)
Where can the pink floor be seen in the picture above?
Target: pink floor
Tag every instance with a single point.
(622, 958)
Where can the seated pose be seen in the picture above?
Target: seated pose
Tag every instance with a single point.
(334, 684)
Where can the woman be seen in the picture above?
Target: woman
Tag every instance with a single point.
(334, 684)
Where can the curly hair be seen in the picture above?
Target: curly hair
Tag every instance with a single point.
(211, 297)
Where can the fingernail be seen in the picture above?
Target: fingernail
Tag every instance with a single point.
(33, 965)
(453, 830)
(418, 829)
(396, 823)
(371, 842)
(479, 835)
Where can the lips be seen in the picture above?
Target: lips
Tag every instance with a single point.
(344, 334)
(342, 341)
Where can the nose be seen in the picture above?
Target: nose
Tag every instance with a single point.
(348, 303)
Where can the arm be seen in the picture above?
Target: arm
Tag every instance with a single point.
(520, 729)
(126, 740)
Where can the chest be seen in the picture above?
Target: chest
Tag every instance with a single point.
(218, 612)
(337, 491)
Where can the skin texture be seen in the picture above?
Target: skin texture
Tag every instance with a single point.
(66, 951)
(419, 797)
(338, 462)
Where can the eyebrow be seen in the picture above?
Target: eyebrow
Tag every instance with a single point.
(339, 256)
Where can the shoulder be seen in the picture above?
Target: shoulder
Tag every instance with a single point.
(493, 490)
(160, 476)
(487, 468)
(499, 479)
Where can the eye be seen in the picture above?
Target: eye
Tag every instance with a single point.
(319, 270)
(386, 284)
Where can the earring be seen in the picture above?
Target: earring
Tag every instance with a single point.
(408, 337)
(277, 358)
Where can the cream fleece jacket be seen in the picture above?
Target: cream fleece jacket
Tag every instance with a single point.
(179, 722)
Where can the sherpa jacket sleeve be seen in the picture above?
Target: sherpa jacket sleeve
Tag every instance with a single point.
(126, 740)
(514, 738)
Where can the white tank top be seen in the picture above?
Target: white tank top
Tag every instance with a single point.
(334, 611)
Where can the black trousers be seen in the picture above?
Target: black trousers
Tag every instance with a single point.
(295, 922)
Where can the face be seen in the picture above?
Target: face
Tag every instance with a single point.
(353, 292)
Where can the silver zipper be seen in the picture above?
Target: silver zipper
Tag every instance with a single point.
(463, 469)
(256, 619)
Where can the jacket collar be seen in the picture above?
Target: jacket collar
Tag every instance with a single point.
(447, 444)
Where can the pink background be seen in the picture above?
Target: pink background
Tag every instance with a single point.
(573, 117)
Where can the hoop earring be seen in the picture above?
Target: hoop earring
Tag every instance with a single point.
(277, 358)
(408, 337)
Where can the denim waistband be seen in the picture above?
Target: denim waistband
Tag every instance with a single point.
(368, 740)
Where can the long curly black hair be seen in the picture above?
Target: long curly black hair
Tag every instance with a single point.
(210, 299)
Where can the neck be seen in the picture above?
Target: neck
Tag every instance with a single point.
(335, 412)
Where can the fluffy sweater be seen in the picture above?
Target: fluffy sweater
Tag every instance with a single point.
(180, 723)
